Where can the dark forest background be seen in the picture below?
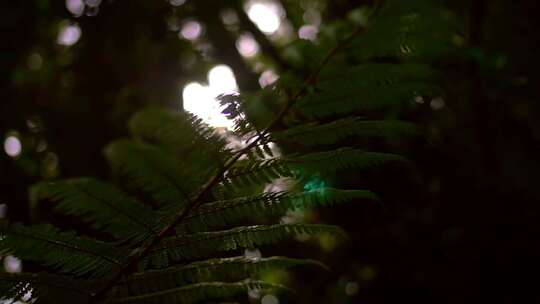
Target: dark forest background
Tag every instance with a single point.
(463, 229)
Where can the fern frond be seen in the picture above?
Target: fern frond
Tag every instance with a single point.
(234, 109)
(102, 205)
(44, 287)
(229, 212)
(183, 133)
(319, 163)
(368, 88)
(256, 172)
(329, 162)
(203, 292)
(375, 75)
(154, 171)
(62, 250)
(358, 99)
(333, 132)
(175, 161)
(419, 30)
(213, 270)
(255, 110)
(204, 244)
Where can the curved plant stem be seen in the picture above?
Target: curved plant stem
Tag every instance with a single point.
(135, 258)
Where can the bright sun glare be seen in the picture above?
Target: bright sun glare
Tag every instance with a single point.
(265, 15)
(201, 100)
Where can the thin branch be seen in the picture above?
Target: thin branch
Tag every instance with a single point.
(214, 180)
(313, 78)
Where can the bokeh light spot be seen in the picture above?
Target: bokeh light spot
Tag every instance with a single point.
(69, 34)
(197, 100)
(308, 32)
(177, 2)
(437, 103)
(351, 288)
(201, 100)
(254, 293)
(12, 264)
(191, 30)
(269, 299)
(12, 146)
(76, 7)
(247, 46)
(221, 78)
(265, 16)
(267, 78)
(253, 254)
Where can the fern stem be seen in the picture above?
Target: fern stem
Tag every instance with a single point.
(216, 178)
(312, 78)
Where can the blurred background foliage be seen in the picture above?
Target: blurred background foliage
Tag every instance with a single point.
(463, 229)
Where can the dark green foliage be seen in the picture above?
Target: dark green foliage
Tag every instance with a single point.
(418, 30)
(103, 206)
(304, 166)
(175, 209)
(183, 133)
(206, 244)
(63, 251)
(351, 89)
(222, 269)
(153, 170)
(330, 162)
(199, 292)
(47, 287)
(229, 212)
(316, 135)
(157, 171)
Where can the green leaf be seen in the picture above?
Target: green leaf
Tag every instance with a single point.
(255, 172)
(203, 292)
(330, 162)
(205, 244)
(375, 76)
(183, 133)
(213, 270)
(103, 206)
(367, 88)
(61, 250)
(362, 100)
(230, 212)
(418, 30)
(264, 171)
(154, 171)
(333, 132)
